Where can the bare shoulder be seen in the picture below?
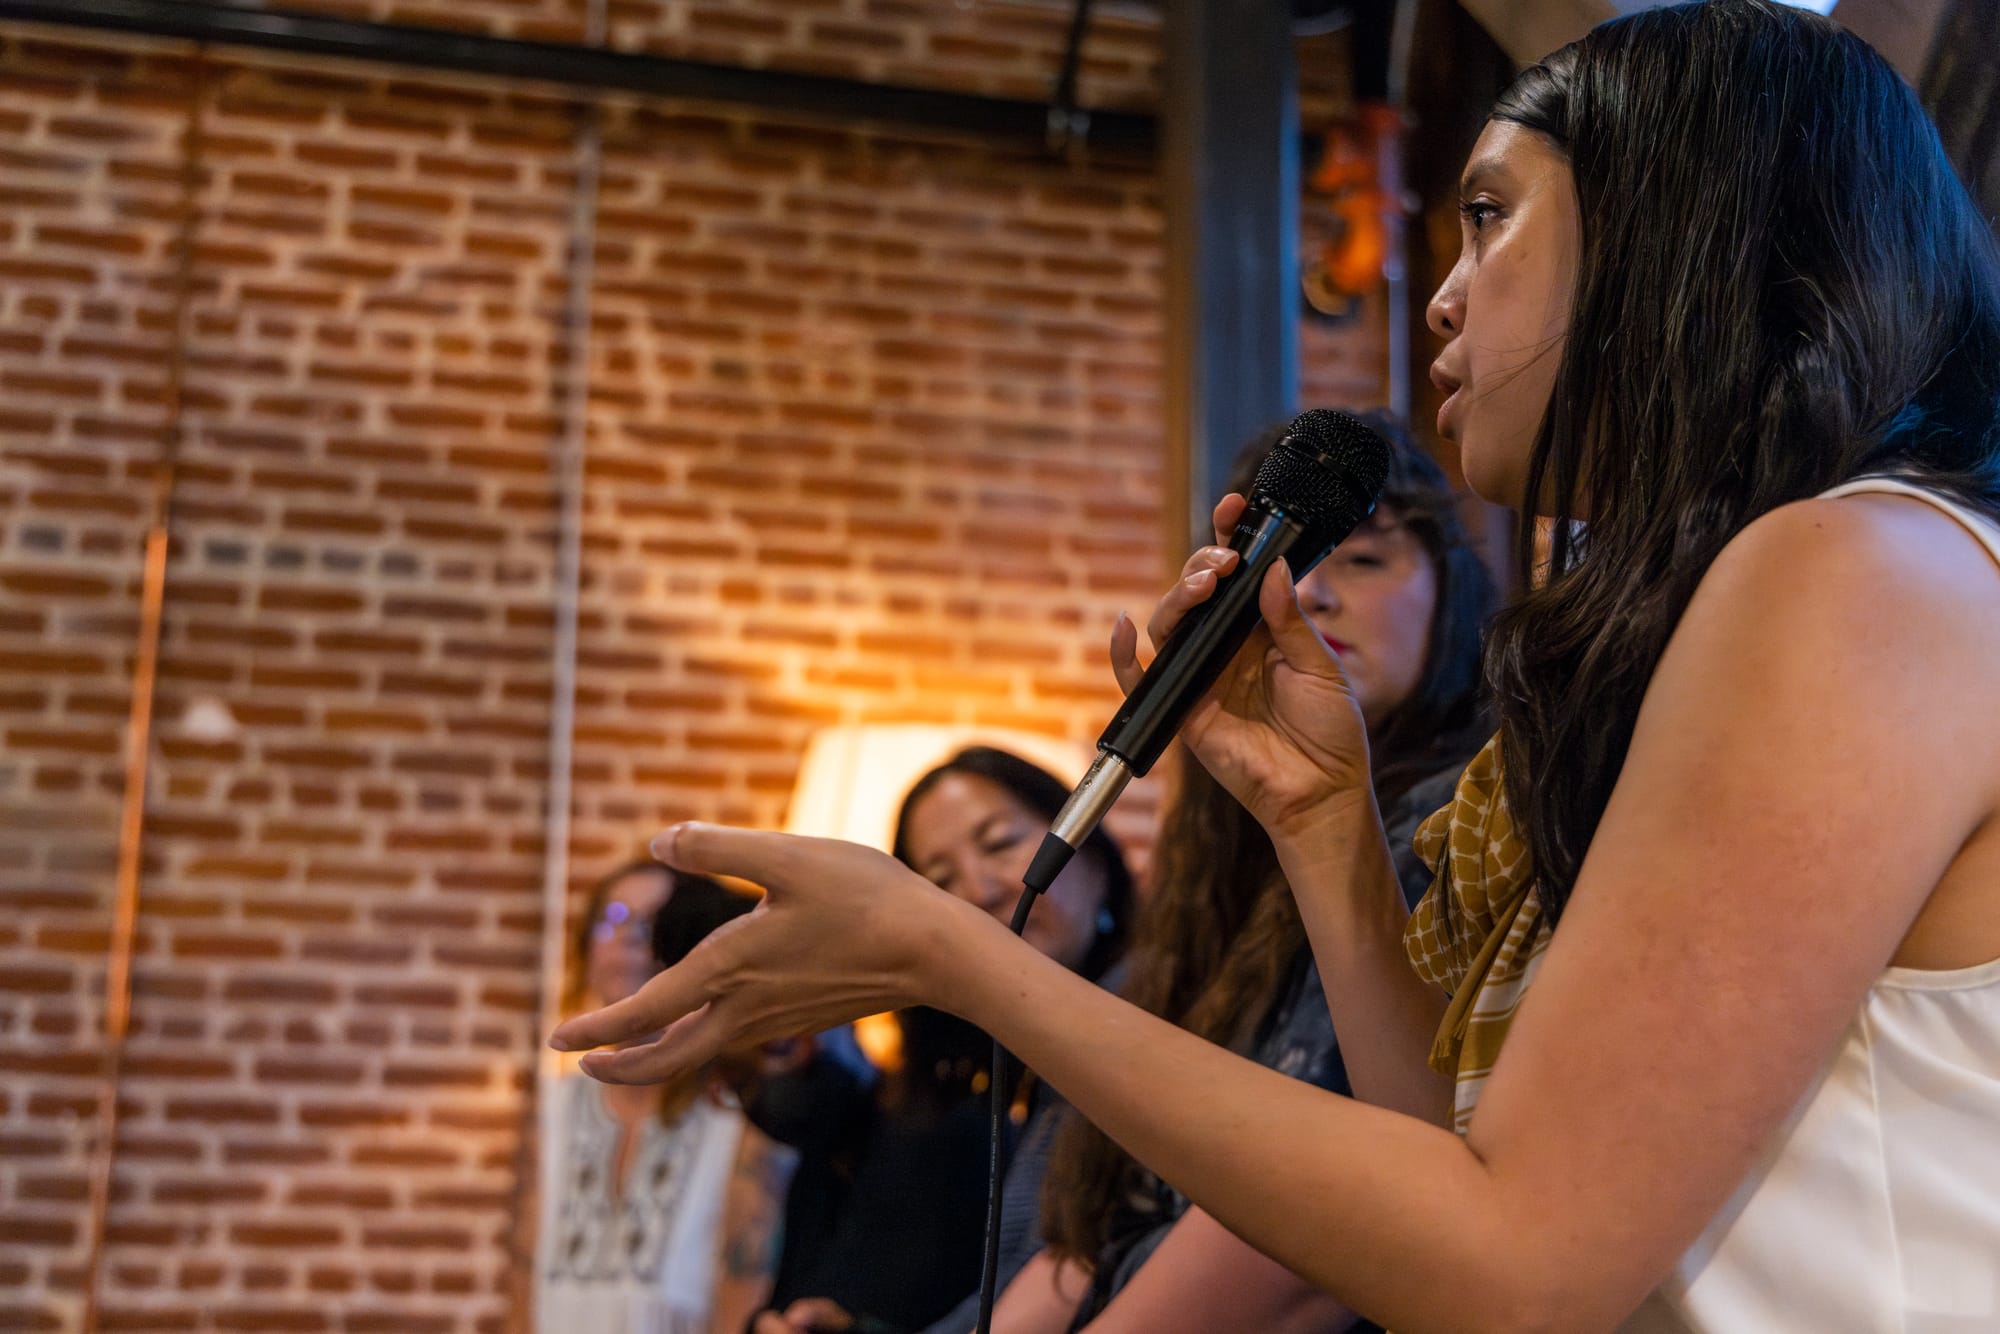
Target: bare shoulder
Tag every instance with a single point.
(1821, 553)
(1847, 652)
(1880, 593)
(1851, 632)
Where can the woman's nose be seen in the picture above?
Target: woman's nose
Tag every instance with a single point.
(987, 890)
(1446, 312)
(1319, 595)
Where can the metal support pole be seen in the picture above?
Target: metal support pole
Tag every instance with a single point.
(1230, 173)
(566, 474)
(1391, 124)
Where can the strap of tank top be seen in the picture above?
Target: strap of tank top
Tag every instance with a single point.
(1983, 530)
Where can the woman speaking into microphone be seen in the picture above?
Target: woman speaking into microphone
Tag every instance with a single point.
(1698, 1027)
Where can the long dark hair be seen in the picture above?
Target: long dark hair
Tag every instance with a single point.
(696, 907)
(944, 1056)
(1221, 933)
(1782, 287)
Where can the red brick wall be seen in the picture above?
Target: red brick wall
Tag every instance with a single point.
(873, 435)
(90, 191)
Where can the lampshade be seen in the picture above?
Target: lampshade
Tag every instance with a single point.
(854, 777)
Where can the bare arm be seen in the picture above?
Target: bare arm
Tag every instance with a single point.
(1384, 1015)
(1204, 1277)
(753, 1215)
(1806, 767)
(1042, 1298)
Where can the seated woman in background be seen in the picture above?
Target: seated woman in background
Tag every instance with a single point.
(1220, 949)
(659, 1204)
(902, 1249)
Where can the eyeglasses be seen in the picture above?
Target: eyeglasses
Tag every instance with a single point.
(617, 920)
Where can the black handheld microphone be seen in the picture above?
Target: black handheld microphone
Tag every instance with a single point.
(1315, 486)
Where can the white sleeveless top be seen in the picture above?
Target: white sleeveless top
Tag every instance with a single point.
(643, 1261)
(1876, 1209)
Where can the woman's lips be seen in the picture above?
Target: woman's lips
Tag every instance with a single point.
(1449, 387)
(1336, 645)
(1444, 415)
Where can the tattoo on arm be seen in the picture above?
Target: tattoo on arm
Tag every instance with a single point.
(750, 1248)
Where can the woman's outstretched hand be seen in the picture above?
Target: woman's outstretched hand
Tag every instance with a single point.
(843, 931)
(1280, 729)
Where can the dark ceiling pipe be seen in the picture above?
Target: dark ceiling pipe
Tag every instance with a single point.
(573, 65)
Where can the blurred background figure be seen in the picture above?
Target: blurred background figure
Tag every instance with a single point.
(891, 1207)
(660, 1203)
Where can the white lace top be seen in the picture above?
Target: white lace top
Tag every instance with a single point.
(643, 1262)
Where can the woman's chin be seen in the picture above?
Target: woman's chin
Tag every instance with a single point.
(1497, 480)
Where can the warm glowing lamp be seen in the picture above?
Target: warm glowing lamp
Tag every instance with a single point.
(853, 779)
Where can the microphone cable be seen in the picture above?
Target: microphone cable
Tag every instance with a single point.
(1050, 858)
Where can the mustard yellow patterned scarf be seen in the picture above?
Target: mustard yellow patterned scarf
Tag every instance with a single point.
(1479, 931)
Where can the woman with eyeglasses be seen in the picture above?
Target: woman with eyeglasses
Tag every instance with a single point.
(659, 1204)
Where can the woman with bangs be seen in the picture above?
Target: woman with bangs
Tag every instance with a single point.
(1219, 949)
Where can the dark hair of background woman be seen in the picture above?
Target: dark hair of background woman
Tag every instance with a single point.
(943, 1056)
(1221, 933)
(695, 906)
(1782, 286)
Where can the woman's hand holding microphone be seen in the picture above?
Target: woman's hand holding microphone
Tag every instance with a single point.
(1280, 729)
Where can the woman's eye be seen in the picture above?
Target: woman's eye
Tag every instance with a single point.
(1478, 215)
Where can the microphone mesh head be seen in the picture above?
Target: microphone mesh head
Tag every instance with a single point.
(1328, 470)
